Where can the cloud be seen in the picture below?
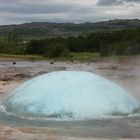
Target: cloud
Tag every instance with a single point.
(20, 11)
(43, 6)
(116, 2)
(37, 9)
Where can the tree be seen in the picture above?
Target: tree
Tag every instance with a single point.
(56, 50)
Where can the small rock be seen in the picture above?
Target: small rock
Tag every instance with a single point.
(52, 62)
(71, 60)
(14, 63)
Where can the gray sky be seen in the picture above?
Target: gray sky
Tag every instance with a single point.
(21, 11)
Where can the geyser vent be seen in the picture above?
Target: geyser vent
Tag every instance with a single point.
(70, 95)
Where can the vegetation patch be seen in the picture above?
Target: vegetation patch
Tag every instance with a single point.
(109, 43)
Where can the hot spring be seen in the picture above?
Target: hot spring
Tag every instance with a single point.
(70, 95)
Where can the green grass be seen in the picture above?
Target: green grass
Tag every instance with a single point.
(85, 56)
(20, 57)
(75, 56)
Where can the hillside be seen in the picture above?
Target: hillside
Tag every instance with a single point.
(49, 30)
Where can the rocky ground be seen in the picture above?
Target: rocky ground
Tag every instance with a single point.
(125, 72)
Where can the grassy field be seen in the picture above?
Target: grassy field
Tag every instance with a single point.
(20, 57)
(85, 56)
(75, 56)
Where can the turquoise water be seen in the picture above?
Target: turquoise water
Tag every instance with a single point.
(70, 95)
(75, 103)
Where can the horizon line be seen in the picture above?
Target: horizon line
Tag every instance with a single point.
(14, 24)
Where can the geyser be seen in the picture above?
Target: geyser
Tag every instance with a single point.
(70, 95)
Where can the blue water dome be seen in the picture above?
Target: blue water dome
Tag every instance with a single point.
(74, 95)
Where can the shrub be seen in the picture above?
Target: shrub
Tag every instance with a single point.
(56, 50)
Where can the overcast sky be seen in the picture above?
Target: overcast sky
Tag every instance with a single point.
(21, 11)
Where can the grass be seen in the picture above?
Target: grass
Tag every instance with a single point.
(20, 57)
(75, 56)
(85, 56)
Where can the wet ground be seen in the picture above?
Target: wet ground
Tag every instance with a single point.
(125, 72)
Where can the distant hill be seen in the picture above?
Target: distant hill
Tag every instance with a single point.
(49, 30)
